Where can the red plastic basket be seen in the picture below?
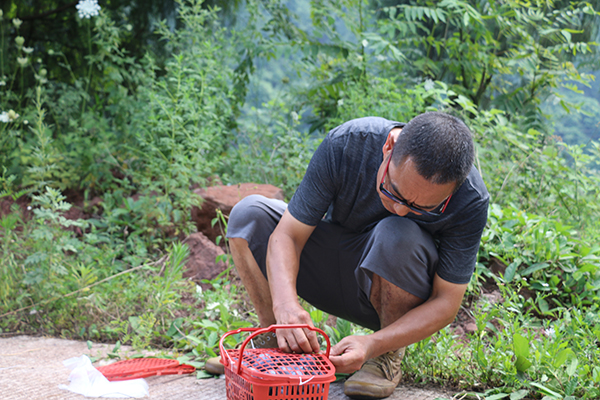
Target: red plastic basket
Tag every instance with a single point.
(270, 374)
(143, 368)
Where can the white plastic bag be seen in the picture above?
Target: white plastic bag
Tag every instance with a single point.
(88, 381)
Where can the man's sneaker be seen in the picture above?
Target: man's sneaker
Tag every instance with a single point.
(377, 378)
(267, 340)
(213, 366)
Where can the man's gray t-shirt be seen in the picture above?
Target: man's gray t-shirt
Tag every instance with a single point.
(341, 183)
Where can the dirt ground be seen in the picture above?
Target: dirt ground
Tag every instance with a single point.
(31, 368)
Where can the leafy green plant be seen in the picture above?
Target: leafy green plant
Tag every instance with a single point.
(8, 187)
(270, 149)
(9, 271)
(504, 54)
(543, 255)
(398, 100)
(182, 125)
(536, 172)
(336, 57)
(222, 311)
(47, 264)
(68, 145)
(136, 330)
(512, 355)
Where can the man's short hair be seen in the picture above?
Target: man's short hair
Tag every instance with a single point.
(440, 145)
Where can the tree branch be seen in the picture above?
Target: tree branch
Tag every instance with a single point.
(483, 84)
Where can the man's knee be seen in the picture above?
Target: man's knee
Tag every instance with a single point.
(254, 218)
(247, 209)
(403, 254)
(402, 237)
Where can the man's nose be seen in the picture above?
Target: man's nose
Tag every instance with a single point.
(401, 209)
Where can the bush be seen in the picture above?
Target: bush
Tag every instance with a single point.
(269, 148)
(513, 355)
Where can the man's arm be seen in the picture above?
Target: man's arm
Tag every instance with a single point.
(283, 261)
(417, 324)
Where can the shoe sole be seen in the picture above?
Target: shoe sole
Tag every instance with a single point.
(361, 393)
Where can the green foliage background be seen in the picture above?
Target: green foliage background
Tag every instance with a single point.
(127, 111)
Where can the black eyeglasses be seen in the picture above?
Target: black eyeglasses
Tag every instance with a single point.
(437, 211)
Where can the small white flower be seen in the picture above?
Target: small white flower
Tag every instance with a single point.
(9, 116)
(365, 42)
(340, 102)
(33, 311)
(19, 40)
(2, 83)
(22, 61)
(295, 116)
(25, 122)
(549, 332)
(17, 22)
(27, 50)
(429, 85)
(87, 8)
(380, 57)
(29, 208)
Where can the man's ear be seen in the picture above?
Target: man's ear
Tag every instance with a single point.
(391, 140)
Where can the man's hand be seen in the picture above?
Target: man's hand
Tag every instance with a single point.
(295, 340)
(350, 354)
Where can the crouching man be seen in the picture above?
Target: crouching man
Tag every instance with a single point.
(383, 231)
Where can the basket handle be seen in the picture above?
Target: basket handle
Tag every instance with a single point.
(258, 331)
